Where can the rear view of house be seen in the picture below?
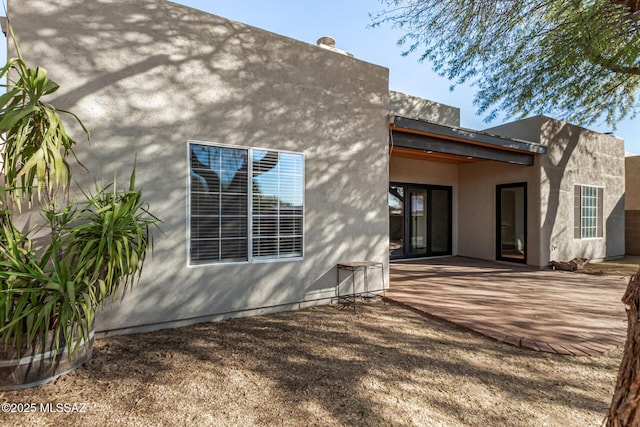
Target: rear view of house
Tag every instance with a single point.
(270, 161)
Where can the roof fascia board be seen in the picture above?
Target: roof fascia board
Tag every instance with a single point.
(458, 148)
(465, 135)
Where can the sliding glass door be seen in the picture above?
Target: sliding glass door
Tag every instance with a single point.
(440, 221)
(396, 221)
(419, 220)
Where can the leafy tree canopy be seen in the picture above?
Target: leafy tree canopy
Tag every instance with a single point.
(575, 60)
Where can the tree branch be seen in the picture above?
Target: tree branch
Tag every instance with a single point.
(610, 64)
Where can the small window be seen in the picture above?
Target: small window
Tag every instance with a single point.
(588, 212)
(245, 204)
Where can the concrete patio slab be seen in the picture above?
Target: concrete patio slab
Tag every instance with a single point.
(542, 310)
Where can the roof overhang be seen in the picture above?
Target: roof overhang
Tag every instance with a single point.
(458, 145)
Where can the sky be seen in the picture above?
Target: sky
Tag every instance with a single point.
(348, 22)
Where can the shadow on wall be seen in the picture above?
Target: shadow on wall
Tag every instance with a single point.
(562, 141)
(325, 285)
(577, 156)
(423, 109)
(147, 76)
(615, 226)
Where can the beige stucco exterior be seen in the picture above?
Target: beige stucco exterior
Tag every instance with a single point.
(576, 156)
(477, 198)
(414, 107)
(147, 76)
(632, 205)
(632, 179)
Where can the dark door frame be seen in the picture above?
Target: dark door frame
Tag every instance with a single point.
(407, 219)
(498, 217)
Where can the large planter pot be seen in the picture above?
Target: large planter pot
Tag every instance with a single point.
(39, 365)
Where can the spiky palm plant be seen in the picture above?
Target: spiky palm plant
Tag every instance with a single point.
(94, 249)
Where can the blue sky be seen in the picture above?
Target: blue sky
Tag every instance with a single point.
(347, 21)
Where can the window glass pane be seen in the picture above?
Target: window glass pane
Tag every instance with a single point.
(265, 225)
(233, 249)
(220, 187)
(291, 246)
(204, 203)
(233, 227)
(396, 221)
(277, 204)
(204, 250)
(265, 247)
(238, 185)
(233, 205)
(205, 227)
(265, 161)
(218, 202)
(440, 216)
(291, 164)
(290, 225)
(590, 214)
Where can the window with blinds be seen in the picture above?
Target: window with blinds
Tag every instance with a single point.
(245, 204)
(588, 212)
(277, 181)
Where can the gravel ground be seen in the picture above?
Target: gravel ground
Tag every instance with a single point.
(382, 366)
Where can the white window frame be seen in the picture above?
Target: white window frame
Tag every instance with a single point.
(250, 258)
(598, 220)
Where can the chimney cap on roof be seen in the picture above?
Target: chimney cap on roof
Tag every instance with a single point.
(327, 41)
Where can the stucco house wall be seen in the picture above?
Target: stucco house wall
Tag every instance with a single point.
(414, 107)
(147, 76)
(477, 201)
(632, 205)
(576, 156)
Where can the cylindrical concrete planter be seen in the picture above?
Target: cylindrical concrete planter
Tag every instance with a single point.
(36, 366)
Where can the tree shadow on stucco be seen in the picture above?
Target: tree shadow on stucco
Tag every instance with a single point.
(563, 143)
(572, 152)
(146, 77)
(168, 74)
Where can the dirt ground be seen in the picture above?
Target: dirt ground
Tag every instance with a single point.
(626, 267)
(382, 366)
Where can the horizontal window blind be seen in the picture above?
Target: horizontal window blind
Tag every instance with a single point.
(218, 204)
(223, 182)
(277, 204)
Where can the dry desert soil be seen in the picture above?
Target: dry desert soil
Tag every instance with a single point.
(383, 365)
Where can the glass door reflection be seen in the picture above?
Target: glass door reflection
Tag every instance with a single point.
(420, 220)
(511, 222)
(396, 221)
(418, 224)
